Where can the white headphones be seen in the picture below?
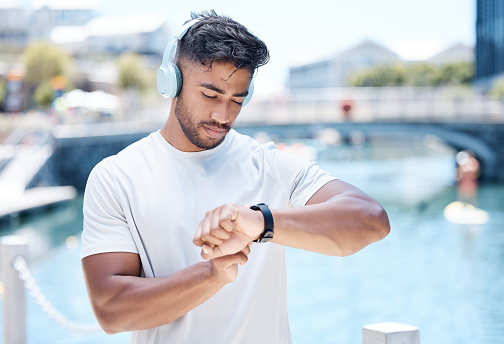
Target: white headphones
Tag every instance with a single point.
(169, 77)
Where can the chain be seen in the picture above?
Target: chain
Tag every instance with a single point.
(24, 273)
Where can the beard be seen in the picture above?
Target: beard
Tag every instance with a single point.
(193, 130)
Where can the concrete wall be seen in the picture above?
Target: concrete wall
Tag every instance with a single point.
(74, 158)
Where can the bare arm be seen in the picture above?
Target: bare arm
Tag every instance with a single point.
(123, 301)
(338, 220)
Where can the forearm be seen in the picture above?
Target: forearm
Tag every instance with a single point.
(339, 220)
(340, 226)
(133, 303)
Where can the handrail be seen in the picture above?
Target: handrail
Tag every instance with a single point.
(16, 277)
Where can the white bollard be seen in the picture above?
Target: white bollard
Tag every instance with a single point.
(14, 305)
(390, 333)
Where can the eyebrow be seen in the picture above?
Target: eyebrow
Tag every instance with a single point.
(218, 90)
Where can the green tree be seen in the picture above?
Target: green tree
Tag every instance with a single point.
(379, 76)
(3, 91)
(415, 74)
(44, 94)
(422, 75)
(457, 73)
(131, 72)
(497, 90)
(43, 63)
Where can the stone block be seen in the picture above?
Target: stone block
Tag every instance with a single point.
(390, 333)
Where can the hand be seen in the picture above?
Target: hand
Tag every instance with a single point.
(228, 229)
(225, 269)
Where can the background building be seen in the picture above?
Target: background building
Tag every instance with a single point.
(74, 25)
(459, 52)
(489, 40)
(334, 72)
(146, 34)
(13, 27)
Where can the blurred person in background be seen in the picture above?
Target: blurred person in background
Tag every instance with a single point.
(468, 172)
(165, 226)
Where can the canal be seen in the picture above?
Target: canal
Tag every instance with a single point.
(445, 278)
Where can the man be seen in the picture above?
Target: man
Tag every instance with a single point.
(153, 211)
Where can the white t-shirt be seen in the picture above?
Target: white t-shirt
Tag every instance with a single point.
(150, 198)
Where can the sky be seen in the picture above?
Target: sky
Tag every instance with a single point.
(298, 32)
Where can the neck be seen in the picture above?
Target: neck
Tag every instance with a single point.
(173, 134)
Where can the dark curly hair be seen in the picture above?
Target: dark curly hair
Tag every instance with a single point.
(217, 38)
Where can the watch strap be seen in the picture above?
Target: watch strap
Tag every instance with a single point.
(268, 232)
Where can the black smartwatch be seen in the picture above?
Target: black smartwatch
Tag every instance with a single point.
(268, 232)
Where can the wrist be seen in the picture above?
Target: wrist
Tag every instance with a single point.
(213, 274)
(268, 224)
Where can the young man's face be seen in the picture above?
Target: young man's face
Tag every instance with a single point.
(208, 104)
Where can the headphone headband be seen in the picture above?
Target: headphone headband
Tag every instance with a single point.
(171, 48)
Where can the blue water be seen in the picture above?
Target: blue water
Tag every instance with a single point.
(447, 279)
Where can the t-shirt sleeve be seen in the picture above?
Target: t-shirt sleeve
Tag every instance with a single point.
(301, 178)
(105, 228)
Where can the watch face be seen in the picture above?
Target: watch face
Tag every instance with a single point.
(266, 236)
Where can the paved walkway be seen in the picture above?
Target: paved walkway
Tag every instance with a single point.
(23, 160)
(36, 198)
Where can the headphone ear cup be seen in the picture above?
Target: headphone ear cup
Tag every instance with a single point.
(250, 92)
(178, 80)
(169, 81)
(161, 80)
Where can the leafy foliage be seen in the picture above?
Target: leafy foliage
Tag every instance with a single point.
(44, 61)
(497, 90)
(416, 74)
(44, 94)
(3, 91)
(131, 72)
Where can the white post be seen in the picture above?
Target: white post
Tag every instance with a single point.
(390, 333)
(14, 306)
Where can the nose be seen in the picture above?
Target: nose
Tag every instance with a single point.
(221, 113)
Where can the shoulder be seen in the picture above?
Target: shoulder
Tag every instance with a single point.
(267, 151)
(244, 142)
(138, 150)
(130, 158)
(136, 154)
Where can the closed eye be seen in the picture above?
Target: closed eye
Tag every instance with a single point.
(209, 97)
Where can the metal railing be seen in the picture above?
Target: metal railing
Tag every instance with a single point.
(365, 104)
(17, 277)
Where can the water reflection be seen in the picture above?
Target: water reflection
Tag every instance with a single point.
(48, 229)
(445, 278)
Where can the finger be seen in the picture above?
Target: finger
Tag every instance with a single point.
(227, 224)
(219, 225)
(241, 258)
(207, 252)
(221, 233)
(228, 216)
(246, 250)
(208, 226)
(227, 261)
(237, 258)
(197, 236)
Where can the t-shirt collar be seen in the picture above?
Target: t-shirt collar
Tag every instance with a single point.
(199, 154)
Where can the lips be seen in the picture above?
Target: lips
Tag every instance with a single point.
(214, 132)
